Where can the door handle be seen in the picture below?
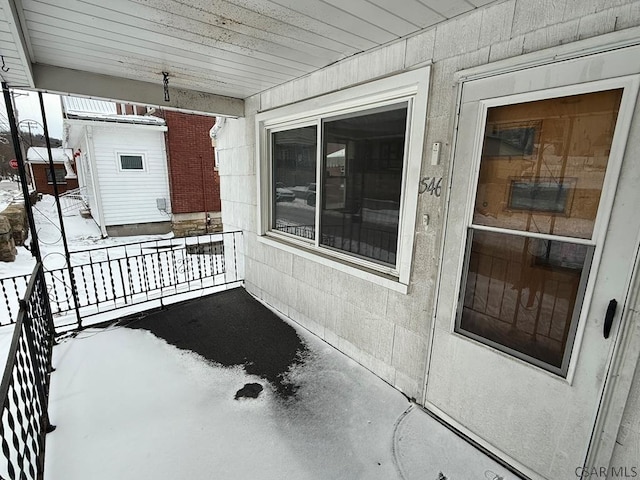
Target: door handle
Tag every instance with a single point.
(608, 318)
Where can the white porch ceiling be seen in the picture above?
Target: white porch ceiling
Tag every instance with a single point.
(217, 52)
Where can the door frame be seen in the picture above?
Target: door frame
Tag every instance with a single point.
(625, 350)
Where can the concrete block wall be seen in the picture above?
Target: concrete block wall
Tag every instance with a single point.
(386, 331)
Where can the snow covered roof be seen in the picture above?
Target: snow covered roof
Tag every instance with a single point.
(77, 108)
(134, 119)
(40, 155)
(86, 105)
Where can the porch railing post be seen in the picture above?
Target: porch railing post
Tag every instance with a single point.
(15, 136)
(74, 291)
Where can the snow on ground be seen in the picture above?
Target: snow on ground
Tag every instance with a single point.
(6, 334)
(127, 405)
(82, 233)
(8, 191)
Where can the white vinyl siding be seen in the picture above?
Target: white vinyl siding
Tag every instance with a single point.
(129, 196)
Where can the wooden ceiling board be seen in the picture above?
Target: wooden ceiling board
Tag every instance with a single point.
(191, 23)
(320, 10)
(449, 8)
(185, 78)
(421, 15)
(229, 48)
(319, 26)
(376, 15)
(167, 52)
(243, 20)
(195, 62)
(127, 32)
(142, 75)
(12, 49)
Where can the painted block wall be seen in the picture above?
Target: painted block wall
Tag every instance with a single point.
(194, 181)
(129, 197)
(386, 331)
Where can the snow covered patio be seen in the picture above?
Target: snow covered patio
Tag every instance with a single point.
(154, 397)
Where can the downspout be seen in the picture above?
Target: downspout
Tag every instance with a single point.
(88, 132)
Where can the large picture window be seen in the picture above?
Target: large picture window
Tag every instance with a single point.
(339, 179)
(361, 182)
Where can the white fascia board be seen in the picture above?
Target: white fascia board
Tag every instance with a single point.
(66, 81)
(13, 11)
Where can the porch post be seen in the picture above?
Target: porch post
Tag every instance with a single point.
(35, 247)
(74, 291)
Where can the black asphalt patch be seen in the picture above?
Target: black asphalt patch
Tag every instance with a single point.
(250, 390)
(231, 328)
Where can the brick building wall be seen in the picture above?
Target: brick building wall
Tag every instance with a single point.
(42, 181)
(195, 185)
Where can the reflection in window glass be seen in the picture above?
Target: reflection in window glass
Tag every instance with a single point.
(131, 162)
(60, 173)
(543, 164)
(362, 160)
(521, 293)
(294, 181)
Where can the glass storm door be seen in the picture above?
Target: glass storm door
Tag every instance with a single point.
(541, 230)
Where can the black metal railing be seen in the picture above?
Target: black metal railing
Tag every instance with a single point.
(12, 289)
(360, 239)
(117, 276)
(24, 391)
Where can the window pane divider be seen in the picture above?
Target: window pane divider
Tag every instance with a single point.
(542, 236)
(319, 179)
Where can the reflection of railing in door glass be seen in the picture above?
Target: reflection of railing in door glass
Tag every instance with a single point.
(541, 176)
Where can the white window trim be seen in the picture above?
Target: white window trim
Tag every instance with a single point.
(119, 156)
(411, 86)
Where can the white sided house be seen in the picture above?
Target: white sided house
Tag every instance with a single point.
(458, 211)
(122, 167)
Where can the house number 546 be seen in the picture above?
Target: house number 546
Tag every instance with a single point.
(432, 185)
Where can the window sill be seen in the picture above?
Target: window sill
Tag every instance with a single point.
(361, 272)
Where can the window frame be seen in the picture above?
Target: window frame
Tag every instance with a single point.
(142, 155)
(595, 242)
(410, 88)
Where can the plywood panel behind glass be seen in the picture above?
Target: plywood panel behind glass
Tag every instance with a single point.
(543, 164)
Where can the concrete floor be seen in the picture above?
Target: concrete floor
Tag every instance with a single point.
(157, 397)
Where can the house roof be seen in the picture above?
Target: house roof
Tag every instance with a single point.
(77, 108)
(74, 105)
(40, 155)
(133, 119)
(215, 53)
